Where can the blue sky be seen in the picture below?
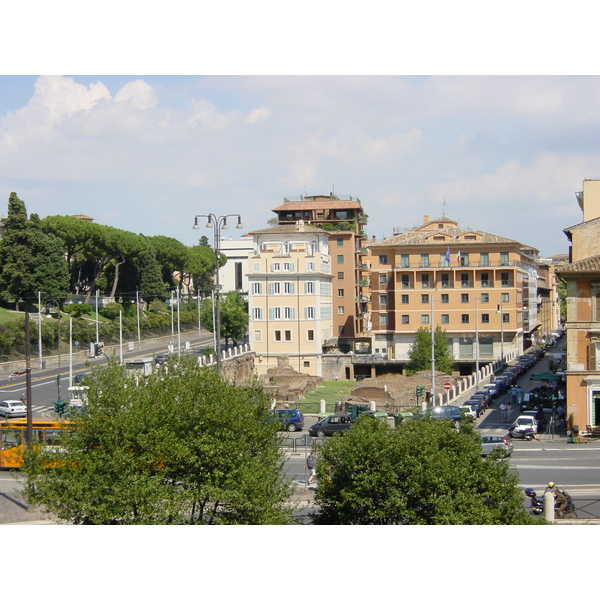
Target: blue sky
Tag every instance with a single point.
(264, 118)
(504, 154)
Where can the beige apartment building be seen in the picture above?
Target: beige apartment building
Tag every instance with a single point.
(290, 296)
(479, 287)
(344, 218)
(582, 277)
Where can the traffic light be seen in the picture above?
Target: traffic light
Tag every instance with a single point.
(60, 406)
(98, 349)
(420, 389)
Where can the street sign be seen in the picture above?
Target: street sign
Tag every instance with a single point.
(447, 386)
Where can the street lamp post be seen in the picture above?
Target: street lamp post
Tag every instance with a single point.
(501, 311)
(218, 223)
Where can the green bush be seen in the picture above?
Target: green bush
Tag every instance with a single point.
(78, 310)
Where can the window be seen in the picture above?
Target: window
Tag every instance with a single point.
(340, 241)
(274, 288)
(274, 313)
(340, 259)
(325, 311)
(277, 335)
(289, 312)
(257, 314)
(275, 266)
(445, 319)
(310, 335)
(309, 312)
(340, 275)
(405, 320)
(443, 261)
(424, 260)
(404, 261)
(464, 260)
(382, 279)
(425, 319)
(383, 299)
(464, 298)
(257, 288)
(485, 298)
(310, 265)
(505, 318)
(340, 293)
(405, 281)
(314, 247)
(288, 335)
(503, 259)
(425, 280)
(404, 299)
(504, 279)
(484, 259)
(289, 287)
(445, 280)
(464, 318)
(424, 298)
(256, 267)
(445, 298)
(485, 318)
(258, 335)
(309, 287)
(288, 266)
(383, 319)
(505, 297)
(340, 310)
(383, 259)
(464, 280)
(306, 363)
(325, 288)
(485, 280)
(238, 276)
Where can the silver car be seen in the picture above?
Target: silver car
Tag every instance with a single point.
(490, 442)
(12, 408)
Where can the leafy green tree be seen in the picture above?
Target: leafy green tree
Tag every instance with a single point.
(50, 269)
(424, 473)
(181, 447)
(17, 280)
(152, 285)
(562, 298)
(234, 317)
(419, 353)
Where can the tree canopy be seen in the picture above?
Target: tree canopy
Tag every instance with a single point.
(426, 472)
(419, 354)
(189, 448)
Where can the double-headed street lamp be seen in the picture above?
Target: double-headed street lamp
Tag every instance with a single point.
(218, 223)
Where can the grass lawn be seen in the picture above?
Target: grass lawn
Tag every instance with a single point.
(10, 315)
(330, 391)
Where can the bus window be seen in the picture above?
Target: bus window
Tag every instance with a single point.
(37, 436)
(53, 437)
(11, 438)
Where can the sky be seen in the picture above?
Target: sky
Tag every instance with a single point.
(503, 154)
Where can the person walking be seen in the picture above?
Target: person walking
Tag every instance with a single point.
(311, 464)
(509, 408)
(503, 411)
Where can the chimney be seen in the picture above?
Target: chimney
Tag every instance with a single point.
(425, 219)
(373, 238)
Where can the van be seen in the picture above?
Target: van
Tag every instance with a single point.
(290, 419)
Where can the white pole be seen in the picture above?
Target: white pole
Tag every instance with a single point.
(213, 319)
(178, 327)
(199, 324)
(70, 351)
(97, 336)
(477, 341)
(172, 322)
(120, 337)
(432, 356)
(137, 309)
(40, 329)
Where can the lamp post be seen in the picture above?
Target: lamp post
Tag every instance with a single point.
(501, 311)
(217, 223)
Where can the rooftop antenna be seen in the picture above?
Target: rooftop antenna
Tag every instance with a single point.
(444, 209)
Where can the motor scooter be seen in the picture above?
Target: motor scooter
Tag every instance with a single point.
(537, 504)
(524, 433)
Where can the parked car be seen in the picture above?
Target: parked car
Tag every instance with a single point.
(12, 408)
(442, 412)
(290, 419)
(484, 398)
(524, 427)
(491, 442)
(493, 388)
(477, 404)
(469, 411)
(331, 424)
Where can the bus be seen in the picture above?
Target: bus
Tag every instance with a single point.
(13, 439)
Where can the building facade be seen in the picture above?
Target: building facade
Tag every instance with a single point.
(582, 277)
(344, 218)
(479, 287)
(290, 296)
(232, 275)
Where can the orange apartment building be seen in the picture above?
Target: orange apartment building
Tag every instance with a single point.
(344, 219)
(290, 296)
(582, 276)
(475, 285)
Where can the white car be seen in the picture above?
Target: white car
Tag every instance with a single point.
(12, 408)
(469, 410)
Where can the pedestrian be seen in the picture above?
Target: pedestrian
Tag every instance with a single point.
(509, 409)
(513, 393)
(311, 463)
(503, 409)
(23, 398)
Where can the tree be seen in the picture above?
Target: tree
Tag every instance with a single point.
(424, 473)
(562, 298)
(182, 447)
(16, 254)
(234, 316)
(50, 269)
(419, 353)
